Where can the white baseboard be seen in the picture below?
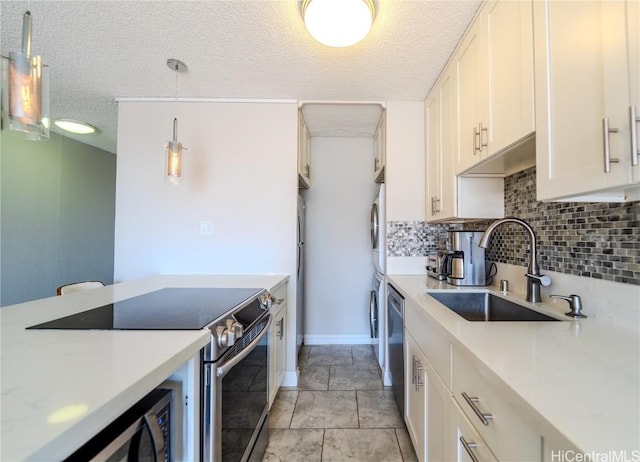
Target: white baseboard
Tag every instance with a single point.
(290, 379)
(338, 340)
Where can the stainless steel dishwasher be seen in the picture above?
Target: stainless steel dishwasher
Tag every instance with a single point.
(395, 339)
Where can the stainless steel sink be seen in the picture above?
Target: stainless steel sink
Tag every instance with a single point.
(483, 306)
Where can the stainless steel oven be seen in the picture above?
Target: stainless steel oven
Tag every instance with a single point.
(234, 381)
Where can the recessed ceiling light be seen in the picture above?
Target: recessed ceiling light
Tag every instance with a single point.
(338, 23)
(75, 126)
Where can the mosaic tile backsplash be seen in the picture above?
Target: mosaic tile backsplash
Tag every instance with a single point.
(598, 240)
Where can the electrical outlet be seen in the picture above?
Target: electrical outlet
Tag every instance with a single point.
(206, 227)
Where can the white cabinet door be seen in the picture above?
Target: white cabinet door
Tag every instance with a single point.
(440, 149)
(582, 97)
(470, 76)
(304, 153)
(508, 43)
(633, 41)
(277, 352)
(380, 149)
(447, 200)
(415, 397)
(437, 403)
(432, 145)
(427, 404)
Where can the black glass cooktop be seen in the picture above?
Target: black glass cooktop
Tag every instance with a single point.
(165, 309)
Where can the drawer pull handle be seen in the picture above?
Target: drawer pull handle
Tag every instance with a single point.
(469, 447)
(472, 402)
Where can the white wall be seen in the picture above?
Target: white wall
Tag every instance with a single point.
(338, 258)
(239, 172)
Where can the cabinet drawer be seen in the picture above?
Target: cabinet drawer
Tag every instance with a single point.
(468, 445)
(499, 422)
(431, 340)
(279, 299)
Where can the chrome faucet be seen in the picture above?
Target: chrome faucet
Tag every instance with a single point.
(534, 278)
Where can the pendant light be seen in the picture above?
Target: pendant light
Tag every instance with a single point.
(338, 23)
(25, 94)
(174, 147)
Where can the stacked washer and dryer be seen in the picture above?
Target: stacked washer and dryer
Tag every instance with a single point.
(378, 295)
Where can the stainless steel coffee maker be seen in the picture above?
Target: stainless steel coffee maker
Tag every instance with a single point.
(465, 262)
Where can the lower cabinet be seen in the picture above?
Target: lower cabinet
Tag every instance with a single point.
(472, 418)
(277, 342)
(427, 402)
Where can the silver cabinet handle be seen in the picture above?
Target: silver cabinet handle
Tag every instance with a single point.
(607, 149)
(633, 121)
(281, 328)
(476, 141)
(419, 369)
(485, 130)
(469, 447)
(413, 370)
(375, 164)
(472, 402)
(157, 437)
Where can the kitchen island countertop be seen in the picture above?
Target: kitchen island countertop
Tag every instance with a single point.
(60, 387)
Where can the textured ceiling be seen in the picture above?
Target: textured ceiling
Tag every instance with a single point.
(99, 50)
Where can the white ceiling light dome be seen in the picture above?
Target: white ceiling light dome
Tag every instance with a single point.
(75, 126)
(338, 23)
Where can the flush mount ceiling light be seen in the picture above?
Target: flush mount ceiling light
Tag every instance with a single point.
(173, 147)
(25, 89)
(75, 126)
(338, 23)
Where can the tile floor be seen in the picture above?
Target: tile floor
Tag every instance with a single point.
(339, 412)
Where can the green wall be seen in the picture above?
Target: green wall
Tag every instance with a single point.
(57, 211)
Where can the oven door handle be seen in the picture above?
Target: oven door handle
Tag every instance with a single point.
(222, 370)
(157, 437)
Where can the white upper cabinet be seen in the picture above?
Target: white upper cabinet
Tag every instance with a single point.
(586, 82)
(304, 153)
(440, 144)
(450, 198)
(380, 149)
(494, 71)
(508, 36)
(633, 41)
(469, 73)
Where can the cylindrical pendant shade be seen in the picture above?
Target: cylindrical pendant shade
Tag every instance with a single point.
(25, 89)
(174, 162)
(26, 95)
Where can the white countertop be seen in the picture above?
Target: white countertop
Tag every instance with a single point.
(580, 377)
(96, 374)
